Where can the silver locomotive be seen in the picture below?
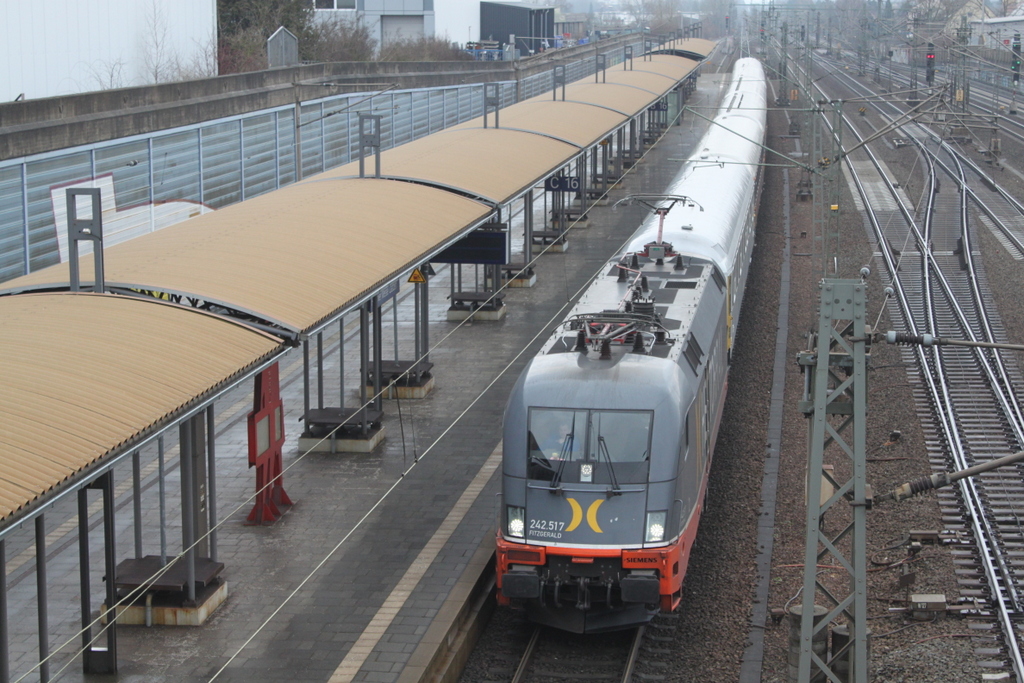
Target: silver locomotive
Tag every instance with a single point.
(609, 432)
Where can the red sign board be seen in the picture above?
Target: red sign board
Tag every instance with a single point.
(266, 441)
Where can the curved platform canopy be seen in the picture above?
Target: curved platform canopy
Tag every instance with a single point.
(691, 48)
(90, 376)
(577, 123)
(670, 66)
(492, 164)
(291, 257)
(86, 375)
(625, 100)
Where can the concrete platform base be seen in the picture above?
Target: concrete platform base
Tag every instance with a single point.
(557, 247)
(526, 281)
(405, 391)
(172, 615)
(479, 315)
(580, 223)
(342, 444)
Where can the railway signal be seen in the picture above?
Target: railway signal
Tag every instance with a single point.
(929, 73)
(1015, 64)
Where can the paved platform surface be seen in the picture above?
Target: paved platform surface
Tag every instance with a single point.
(345, 585)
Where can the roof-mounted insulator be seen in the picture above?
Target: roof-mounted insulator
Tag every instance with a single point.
(679, 263)
(622, 273)
(643, 283)
(581, 342)
(638, 343)
(660, 337)
(645, 307)
(606, 349)
(634, 262)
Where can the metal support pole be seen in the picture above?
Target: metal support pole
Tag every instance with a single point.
(305, 378)
(211, 473)
(137, 503)
(163, 500)
(41, 603)
(606, 153)
(187, 507)
(83, 570)
(319, 369)
(394, 320)
(620, 152)
(106, 662)
(364, 362)
(85, 230)
(425, 302)
(5, 633)
(378, 352)
(417, 348)
(528, 226)
(341, 362)
(835, 402)
(632, 142)
(581, 166)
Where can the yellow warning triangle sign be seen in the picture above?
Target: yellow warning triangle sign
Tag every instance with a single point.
(417, 277)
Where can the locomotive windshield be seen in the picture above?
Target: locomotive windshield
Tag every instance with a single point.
(615, 442)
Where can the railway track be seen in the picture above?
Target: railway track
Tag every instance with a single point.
(967, 397)
(552, 655)
(1000, 211)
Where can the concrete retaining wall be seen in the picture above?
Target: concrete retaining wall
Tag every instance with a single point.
(36, 126)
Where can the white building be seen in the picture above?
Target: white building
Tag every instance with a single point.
(457, 20)
(61, 47)
(996, 32)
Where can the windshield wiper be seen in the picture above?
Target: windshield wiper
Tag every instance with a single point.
(564, 456)
(566, 452)
(602, 447)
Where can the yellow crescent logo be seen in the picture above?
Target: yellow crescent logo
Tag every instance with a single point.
(592, 515)
(577, 514)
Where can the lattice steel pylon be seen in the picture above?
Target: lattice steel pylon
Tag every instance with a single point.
(835, 401)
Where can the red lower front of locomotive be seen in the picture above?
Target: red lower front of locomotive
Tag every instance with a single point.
(593, 589)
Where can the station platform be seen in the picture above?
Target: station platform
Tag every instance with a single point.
(345, 586)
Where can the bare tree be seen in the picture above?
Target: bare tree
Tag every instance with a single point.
(339, 40)
(201, 64)
(156, 57)
(108, 75)
(242, 51)
(422, 49)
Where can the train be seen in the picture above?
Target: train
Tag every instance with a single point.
(609, 432)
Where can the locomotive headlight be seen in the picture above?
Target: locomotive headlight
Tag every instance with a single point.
(655, 527)
(516, 521)
(586, 473)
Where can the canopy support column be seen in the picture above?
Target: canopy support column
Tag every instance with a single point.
(98, 660)
(364, 362)
(5, 634)
(378, 352)
(137, 503)
(42, 609)
(211, 473)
